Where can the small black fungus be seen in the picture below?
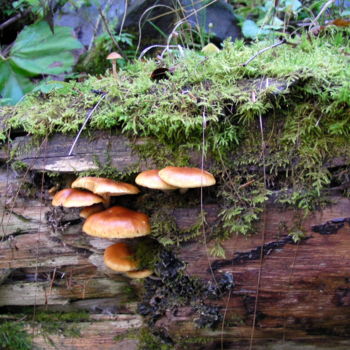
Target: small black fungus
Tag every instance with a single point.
(225, 284)
(172, 288)
(209, 316)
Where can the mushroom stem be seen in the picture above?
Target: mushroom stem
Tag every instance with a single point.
(114, 68)
(106, 200)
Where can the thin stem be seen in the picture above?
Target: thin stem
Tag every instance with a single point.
(114, 69)
(258, 283)
(204, 125)
(153, 46)
(96, 26)
(105, 23)
(324, 8)
(13, 19)
(84, 124)
(283, 41)
(124, 16)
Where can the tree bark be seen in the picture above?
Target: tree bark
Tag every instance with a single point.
(289, 292)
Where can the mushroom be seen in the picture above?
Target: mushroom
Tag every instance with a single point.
(210, 49)
(151, 179)
(71, 197)
(117, 222)
(92, 209)
(185, 178)
(119, 257)
(105, 187)
(139, 273)
(113, 57)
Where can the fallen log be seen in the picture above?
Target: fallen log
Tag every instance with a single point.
(294, 291)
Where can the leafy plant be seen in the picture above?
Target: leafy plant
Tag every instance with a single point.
(297, 235)
(36, 51)
(262, 18)
(14, 337)
(94, 61)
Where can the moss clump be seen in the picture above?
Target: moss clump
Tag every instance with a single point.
(13, 336)
(149, 341)
(63, 323)
(271, 125)
(147, 252)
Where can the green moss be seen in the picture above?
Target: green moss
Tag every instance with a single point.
(13, 336)
(164, 154)
(186, 342)
(19, 166)
(76, 316)
(64, 323)
(131, 334)
(107, 170)
(148, 341)
(166, 231)
(303, 107)
(129, 294)
(146, 252)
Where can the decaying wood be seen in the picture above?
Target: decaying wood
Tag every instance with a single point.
(304, 289)
(102, 148)
(99, 333)
(90, 151)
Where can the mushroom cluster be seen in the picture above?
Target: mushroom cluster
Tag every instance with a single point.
(172, 178)
(94, 193)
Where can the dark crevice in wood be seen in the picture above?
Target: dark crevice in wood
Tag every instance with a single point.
(254, 254)
(330, 227)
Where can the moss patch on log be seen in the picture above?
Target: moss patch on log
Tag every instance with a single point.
(270, 128)
(14, 337)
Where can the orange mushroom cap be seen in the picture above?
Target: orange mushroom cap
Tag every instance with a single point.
(139, 273)
(114, 56)
(117, 222)
(119, 257)
(103, 186)
(71, 197)
(183, 177)
(92, 209)
(151, 179)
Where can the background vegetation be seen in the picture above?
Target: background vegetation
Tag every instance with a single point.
(34, 50)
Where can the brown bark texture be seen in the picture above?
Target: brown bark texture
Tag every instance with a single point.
(284, 292)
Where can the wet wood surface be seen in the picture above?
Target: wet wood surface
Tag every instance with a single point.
(52, 154)
(297, 292)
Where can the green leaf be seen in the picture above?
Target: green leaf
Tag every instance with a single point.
(51, 85)
(13, 85)
(251, 30)
(218, 251)
(293, 6)
(38, 51)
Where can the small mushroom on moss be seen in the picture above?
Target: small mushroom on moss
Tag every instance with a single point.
(113, 57)
(185, 178)
(72, 197)
(117, 222)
